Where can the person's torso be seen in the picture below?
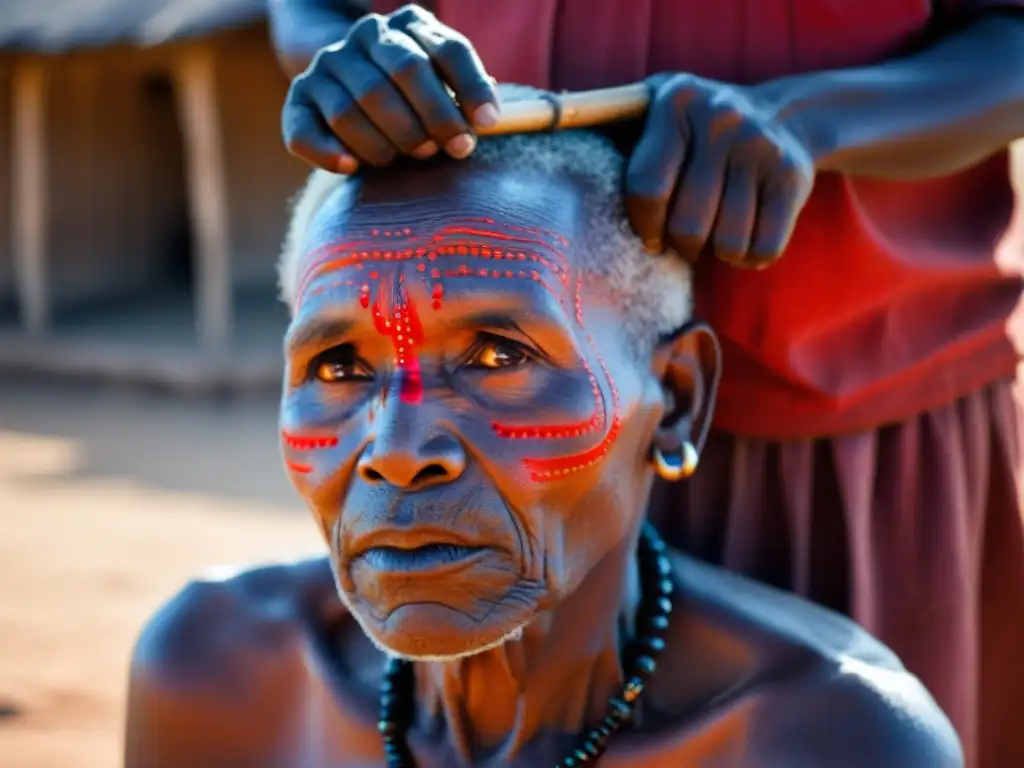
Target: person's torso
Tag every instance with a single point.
(888, 301)
(284, 677)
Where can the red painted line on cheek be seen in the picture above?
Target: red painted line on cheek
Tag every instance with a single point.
(557, 431)
(302, 469)
(554, 468)
(307, 442)
(548, 469)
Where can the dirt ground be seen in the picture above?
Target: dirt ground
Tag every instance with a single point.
(108, 502)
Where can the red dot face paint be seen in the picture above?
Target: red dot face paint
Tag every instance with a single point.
(396, 315)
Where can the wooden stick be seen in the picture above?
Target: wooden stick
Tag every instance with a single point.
(578, 110)
(207, 195)
(29, 177)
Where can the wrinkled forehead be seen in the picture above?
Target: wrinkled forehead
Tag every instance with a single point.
(528, 213)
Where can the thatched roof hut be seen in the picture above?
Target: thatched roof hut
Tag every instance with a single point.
(142, 185)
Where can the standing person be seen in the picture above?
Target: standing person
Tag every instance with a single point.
(866, 451)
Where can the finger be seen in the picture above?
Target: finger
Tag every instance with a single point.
(698, 196)
(779, 204)
(652, 172)
(734, 225)
(308, 137)
(379, 101)
(408, 67)
(342, 114)
(460, 67)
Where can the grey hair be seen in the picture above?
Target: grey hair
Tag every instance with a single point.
(653, 292)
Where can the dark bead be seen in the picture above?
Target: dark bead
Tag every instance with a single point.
(387, 727)
(645, 666)
(396, 754)
(621, 711)
(666, 587)
(570, 762)
(654, 645)
(581, 756)
(593, 747)
(388, 703)
(655, 543)
(657, 625)
(663, 605)
(611, 724)
(664, 566)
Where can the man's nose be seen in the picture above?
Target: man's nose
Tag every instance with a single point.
(399, 457)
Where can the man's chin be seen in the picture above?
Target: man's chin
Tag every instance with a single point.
(434, 631)
(412, 607)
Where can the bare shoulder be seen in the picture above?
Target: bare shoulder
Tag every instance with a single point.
(213, 666)
(852, 714)
(828, 693)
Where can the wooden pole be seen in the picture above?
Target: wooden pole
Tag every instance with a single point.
(29, 190)
(561, 111)
(207, 194)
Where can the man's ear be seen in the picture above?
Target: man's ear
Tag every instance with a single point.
(689, 363)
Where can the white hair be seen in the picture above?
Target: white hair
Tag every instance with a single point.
(653, 292)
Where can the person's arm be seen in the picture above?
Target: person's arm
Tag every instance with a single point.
(936, 112)
(299, 28)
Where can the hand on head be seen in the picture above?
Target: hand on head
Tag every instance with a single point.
(387, 90)
(716, 169)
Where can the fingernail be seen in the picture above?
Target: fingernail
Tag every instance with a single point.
(345, 164)
(425, 150)
(461, 146)
(486, 115)
(653, 244)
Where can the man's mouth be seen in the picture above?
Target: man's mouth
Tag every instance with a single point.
(424, 558)
(419, 548)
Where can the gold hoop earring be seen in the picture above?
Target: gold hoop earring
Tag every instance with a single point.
(680, 466)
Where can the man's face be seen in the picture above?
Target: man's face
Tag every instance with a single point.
(460, 410)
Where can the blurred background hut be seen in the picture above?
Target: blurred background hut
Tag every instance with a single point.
(142, 189)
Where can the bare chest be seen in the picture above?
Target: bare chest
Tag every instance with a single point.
(332, 727)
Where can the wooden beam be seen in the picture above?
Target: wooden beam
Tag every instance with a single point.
(1017, 165)
(196, 89)
(29, 195)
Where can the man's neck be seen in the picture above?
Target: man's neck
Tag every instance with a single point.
(554, 680)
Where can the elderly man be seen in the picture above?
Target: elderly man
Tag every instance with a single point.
(485, 371)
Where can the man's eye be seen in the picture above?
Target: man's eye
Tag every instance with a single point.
(339, 364)
(492, 354)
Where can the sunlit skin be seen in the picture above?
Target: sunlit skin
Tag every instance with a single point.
(472, 432)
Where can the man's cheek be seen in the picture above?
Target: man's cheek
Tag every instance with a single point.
(319, 462)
